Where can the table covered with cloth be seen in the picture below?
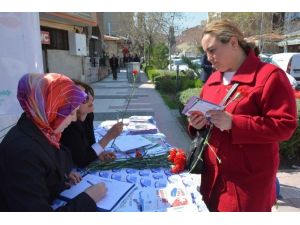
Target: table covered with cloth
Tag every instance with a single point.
(156, 188)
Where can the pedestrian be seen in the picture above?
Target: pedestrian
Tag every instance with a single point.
(207, 68)
(242, 156)
(136, 58)
(114, 65)
(79, 136)
(34, 167)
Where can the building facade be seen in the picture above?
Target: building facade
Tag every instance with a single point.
(72, 44)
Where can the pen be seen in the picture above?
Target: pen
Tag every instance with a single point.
(90, 182)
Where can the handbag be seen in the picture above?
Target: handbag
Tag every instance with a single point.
(195, 163)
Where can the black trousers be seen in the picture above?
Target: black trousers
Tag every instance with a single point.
(115, 73)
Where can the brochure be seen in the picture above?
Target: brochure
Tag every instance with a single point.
(197, 104)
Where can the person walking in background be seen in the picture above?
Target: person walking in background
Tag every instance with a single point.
(34, 167)
(207, 68)
(242, 157)
(114, 65)
(79, 136)
(136, 58)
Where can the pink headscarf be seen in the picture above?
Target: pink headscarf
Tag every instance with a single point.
(47, 100)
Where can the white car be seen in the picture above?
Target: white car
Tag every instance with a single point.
(290, 63)
(182, 66)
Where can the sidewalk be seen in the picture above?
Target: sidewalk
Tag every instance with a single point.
(110, 100)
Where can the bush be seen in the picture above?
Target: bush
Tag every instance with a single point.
(166, 84)
(147, 68)
(291, 149)
(152, 74)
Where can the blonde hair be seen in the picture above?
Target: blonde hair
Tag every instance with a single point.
(223, 30)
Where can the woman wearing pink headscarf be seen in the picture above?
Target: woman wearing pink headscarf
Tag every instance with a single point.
(34, 168)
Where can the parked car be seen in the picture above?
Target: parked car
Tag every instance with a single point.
(265, 57)
(182, 66)
(275, 59)
(289, 62)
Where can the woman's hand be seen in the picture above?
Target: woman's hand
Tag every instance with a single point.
(115, 130)
(220, 119)
(107, 156)
(111, 134)
(197, 119)
(97, 191)
(72, 178)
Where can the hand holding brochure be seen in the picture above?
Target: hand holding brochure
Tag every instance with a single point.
(116, 191)
(197, 104)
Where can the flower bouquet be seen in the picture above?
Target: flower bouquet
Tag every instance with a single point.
(175, 159)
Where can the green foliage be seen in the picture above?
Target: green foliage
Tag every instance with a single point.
(152, 74)
(147, 68)
(166, 84)
(185, 95)
(291, 149)
(195, 68)
(170, 100)
(160, 56)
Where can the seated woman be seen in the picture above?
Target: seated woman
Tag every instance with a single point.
(79, 136)
(34, 167)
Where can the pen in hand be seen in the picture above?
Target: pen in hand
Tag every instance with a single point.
(90, 182)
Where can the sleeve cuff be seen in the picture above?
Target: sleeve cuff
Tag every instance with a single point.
(97, 148)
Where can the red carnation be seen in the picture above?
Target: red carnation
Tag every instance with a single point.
(172, 154)
(135, 72)
(138, 154)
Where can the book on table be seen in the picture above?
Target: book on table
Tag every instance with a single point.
(116, 191)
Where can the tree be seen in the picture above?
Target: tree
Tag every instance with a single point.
(160, 56)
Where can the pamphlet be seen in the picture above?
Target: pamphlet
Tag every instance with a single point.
(197, 104)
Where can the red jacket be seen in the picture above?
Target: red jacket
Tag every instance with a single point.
(263, 116)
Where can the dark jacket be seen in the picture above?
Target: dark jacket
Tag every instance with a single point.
(33, 172)
(79, 137)
(113, 62)
(207, 68)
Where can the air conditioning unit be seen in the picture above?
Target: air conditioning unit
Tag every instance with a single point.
(77, 44)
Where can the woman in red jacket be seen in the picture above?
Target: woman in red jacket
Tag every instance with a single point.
(242, 158)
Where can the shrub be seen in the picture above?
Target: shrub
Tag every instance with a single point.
(152, 74)
(165, 84)
(149, 67)
(291, 149)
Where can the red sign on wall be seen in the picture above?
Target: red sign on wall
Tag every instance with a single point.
(45, 37)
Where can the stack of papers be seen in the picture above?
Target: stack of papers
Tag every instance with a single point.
(127, 143)
(141, 128)
(116, 191)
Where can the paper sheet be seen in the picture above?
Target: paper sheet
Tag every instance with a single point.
(116, 190)
(129, 142)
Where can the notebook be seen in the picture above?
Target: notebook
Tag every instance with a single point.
(116, 191)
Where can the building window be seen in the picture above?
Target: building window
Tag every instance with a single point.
(59, 38)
